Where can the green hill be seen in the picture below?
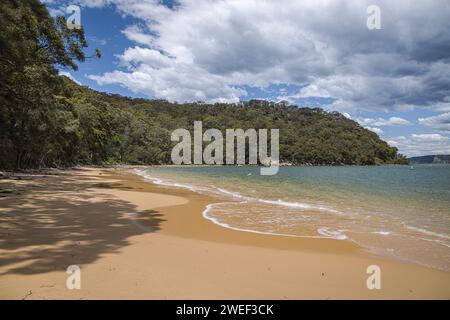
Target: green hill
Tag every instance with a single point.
(48, 120)
(112, 128)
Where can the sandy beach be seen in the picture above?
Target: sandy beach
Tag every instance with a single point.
(136, 240)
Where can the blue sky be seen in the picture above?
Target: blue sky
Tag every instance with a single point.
(394, 81)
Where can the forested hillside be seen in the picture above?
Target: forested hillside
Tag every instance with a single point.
(48, 120)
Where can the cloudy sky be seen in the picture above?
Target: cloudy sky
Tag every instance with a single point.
(394, 80)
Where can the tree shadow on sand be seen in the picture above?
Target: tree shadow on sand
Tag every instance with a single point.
(42, 230)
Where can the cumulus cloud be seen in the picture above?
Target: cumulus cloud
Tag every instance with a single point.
(442, 106)
(323, 46)
(421, 144)
(439, 122)
(429, 137)
(137, 34)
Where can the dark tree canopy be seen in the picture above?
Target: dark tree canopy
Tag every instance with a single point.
(32, 44)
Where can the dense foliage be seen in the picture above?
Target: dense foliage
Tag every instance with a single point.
(47, 120)
(33, 120)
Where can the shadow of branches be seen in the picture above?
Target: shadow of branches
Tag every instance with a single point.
(50, 222)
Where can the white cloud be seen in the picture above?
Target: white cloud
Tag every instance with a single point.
(347, 115)
(439, 122)
(149, 57)
(70, 76)
(324, 46)
(428, 137)
(379, 122)
(137, 34)
(421, 144)
(442, 106)
(173, 84)
(376, 130)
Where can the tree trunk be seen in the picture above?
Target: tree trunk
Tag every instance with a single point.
(18, 158)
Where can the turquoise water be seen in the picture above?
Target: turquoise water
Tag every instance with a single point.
(389, 210)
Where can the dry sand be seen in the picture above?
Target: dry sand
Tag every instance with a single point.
(135, 240)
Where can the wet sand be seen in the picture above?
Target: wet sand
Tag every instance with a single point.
(136, 240)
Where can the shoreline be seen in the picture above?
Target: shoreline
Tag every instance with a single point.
(225, 198)
(214, 232)
(150, 242)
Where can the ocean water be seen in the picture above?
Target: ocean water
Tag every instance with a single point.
(394, 211)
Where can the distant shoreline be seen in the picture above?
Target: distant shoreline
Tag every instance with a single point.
(130, 166)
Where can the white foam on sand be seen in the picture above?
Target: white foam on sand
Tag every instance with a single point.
(324, 232)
